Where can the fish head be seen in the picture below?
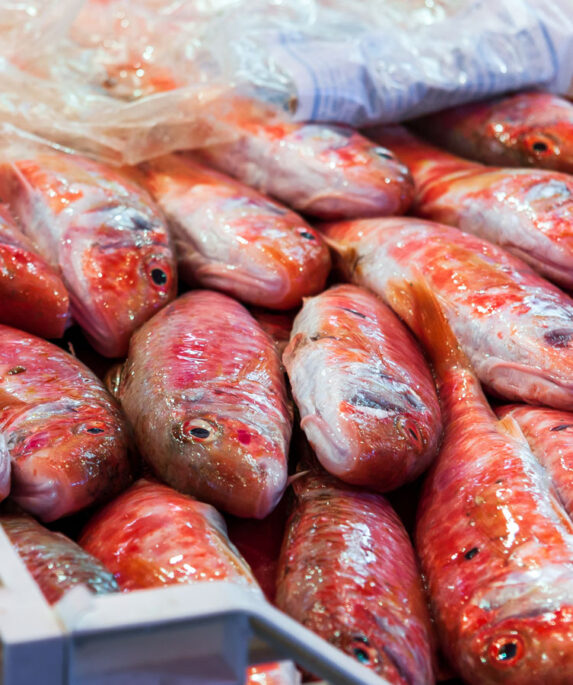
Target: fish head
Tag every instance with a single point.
(371, 179)
(119, 275)
(527, 648)
(65, 456)
(242, 468)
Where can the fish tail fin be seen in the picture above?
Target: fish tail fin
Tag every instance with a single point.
(427, 320)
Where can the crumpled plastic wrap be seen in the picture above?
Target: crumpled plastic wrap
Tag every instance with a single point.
(126, 80)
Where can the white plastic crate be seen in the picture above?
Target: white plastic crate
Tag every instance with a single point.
(186, 634)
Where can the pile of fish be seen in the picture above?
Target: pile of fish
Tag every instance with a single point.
(307, 379)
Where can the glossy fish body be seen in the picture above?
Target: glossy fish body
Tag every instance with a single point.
(526, 129)
(104, 235)
(231, 238)
(527, 211)
(204, 391)
(65, 435)
(365, 394)
(515, 327)
(32, 295)
(347, 571)
(57, 563)
(152, 536)
(495, 544)
(330, 172)
(549, 433)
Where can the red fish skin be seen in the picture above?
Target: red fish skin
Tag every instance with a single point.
(32, 295)
(330, 172)
(104, 235)
(153, 536)
(549, 433)
(219, 424)
(515, 327)
(231, 238)
(65, 435)
(521, 130)
(348, 572)
(57, 563)
(375, 421)
(494, 542)
(527, 211)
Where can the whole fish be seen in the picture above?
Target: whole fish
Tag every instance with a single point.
(347, 571)
(526, 129)
(330, 172)
(527, 211)
(204, 391)
(495, 544)
(56, 563)
(231, 238)
(278, 673)
(515, 327)
(103, 233)
(32, 295)
(365, 394)
(152, 536)
(64, 434)
(550, 437)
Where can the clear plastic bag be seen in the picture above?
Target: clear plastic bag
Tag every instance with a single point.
(126, 80)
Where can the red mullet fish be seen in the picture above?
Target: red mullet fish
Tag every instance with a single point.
(347, 571)
(32, 295)
(64, 434)
(495, 544)
(204, 391)
(365, 394)
(56, 562)
(330, 172)
(516, 328)
(527, 211)
(526, 129)
(104, 235)
(231, 238)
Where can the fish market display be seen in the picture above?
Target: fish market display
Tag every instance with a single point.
(515, 327)
(64, 434)
(366, 397)
(204, 391)
(527, 129)
(549, 433)
(527, 211)
(494, 542)
(330, 172)
(56, 562)
(231, 238)
(103, 233)
(151, 536)
(32, 295)
(347, 571)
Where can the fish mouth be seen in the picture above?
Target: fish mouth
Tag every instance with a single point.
(332, 452)
(43, 494)
(559, 271)
(247, 286)
(100, 331)
(516, 382)
(333, 205)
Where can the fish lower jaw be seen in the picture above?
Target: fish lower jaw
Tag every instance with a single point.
(558, 271)
(516, 382)
(44, 497)
(333, 454)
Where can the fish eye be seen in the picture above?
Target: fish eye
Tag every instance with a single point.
(361, 655)
(383, 153)
(539, 146)
(158, 276)
(506, 650)
(198, 430)
(95, 429)
(16, 370)
(306, 234)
